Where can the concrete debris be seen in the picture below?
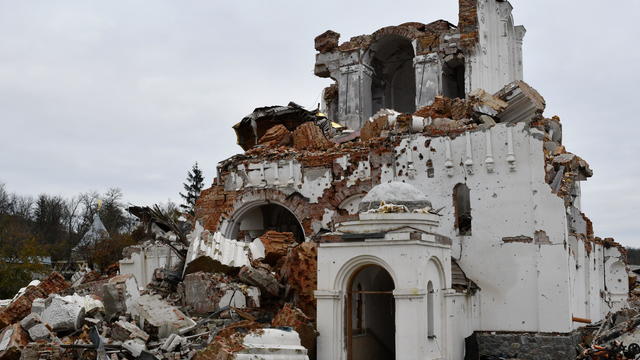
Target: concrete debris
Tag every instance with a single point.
(272, 344)
(615, 337)
(214, 253)
(487, 104)
(141, 260)
(63, 313)
(21, 306)
(389, 209)
(260, 277)
(158, 318)
(524, 103)
(12, 339)
(30, 321)
(206, 293)
(40, 332)
(172, 342)
(124, 330)
(135, 347)
(119, 294)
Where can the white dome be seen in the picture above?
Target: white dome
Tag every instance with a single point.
(396, 192)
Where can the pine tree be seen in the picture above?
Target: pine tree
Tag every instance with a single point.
(193, 187)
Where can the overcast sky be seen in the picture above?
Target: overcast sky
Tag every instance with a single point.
(129, 94)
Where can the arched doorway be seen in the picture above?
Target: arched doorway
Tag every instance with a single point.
(393, 85)
(370, 315)
(253, 221)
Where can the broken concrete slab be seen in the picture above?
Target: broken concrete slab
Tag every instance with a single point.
(158, 318)
(62, 313)
(172, 342)
(525, 103)
(39, 332)
(38, 305)
(272, 344)
(119, 294)
(214, 253)
(485, 103)
(124, 330)
(206, 293)
(260, 277)
(21, 306)
(135, 347)
(30, 321)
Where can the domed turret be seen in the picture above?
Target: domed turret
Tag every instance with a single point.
(397, 193)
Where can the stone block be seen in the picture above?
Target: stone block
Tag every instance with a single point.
(123, 330)
(260, 277)
(62, 313)
(30, 321)
(120, 293)
(39, 332)
(205, 293)
(158, 318)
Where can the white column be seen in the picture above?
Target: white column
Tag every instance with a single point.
(354, 95)
(428, 70)
(330, 322)
(411, 323)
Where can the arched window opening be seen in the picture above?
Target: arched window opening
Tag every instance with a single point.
(462, 209)
(393, 85)
(431, 329)
(453, 83)
(371, 315)
(260, 219)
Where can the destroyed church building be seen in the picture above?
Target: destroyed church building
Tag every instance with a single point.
(441, 199)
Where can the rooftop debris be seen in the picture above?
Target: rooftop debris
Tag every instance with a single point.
(255, 125)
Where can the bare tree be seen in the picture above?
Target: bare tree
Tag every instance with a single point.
(5, 201)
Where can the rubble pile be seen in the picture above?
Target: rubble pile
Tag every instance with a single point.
(283, 131)
(615, 337)
(262, 305)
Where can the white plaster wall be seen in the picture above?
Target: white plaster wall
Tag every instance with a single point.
(409, 264)
(497, 59)
(514, 198)
(142, 264)
(463, 317)
(309, 182)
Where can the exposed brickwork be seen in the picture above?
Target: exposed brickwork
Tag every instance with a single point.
(308, 136)
(302, 324)
(300, 271)
(278, 135)
(468, 23)
(327, 41)
(21, 307)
